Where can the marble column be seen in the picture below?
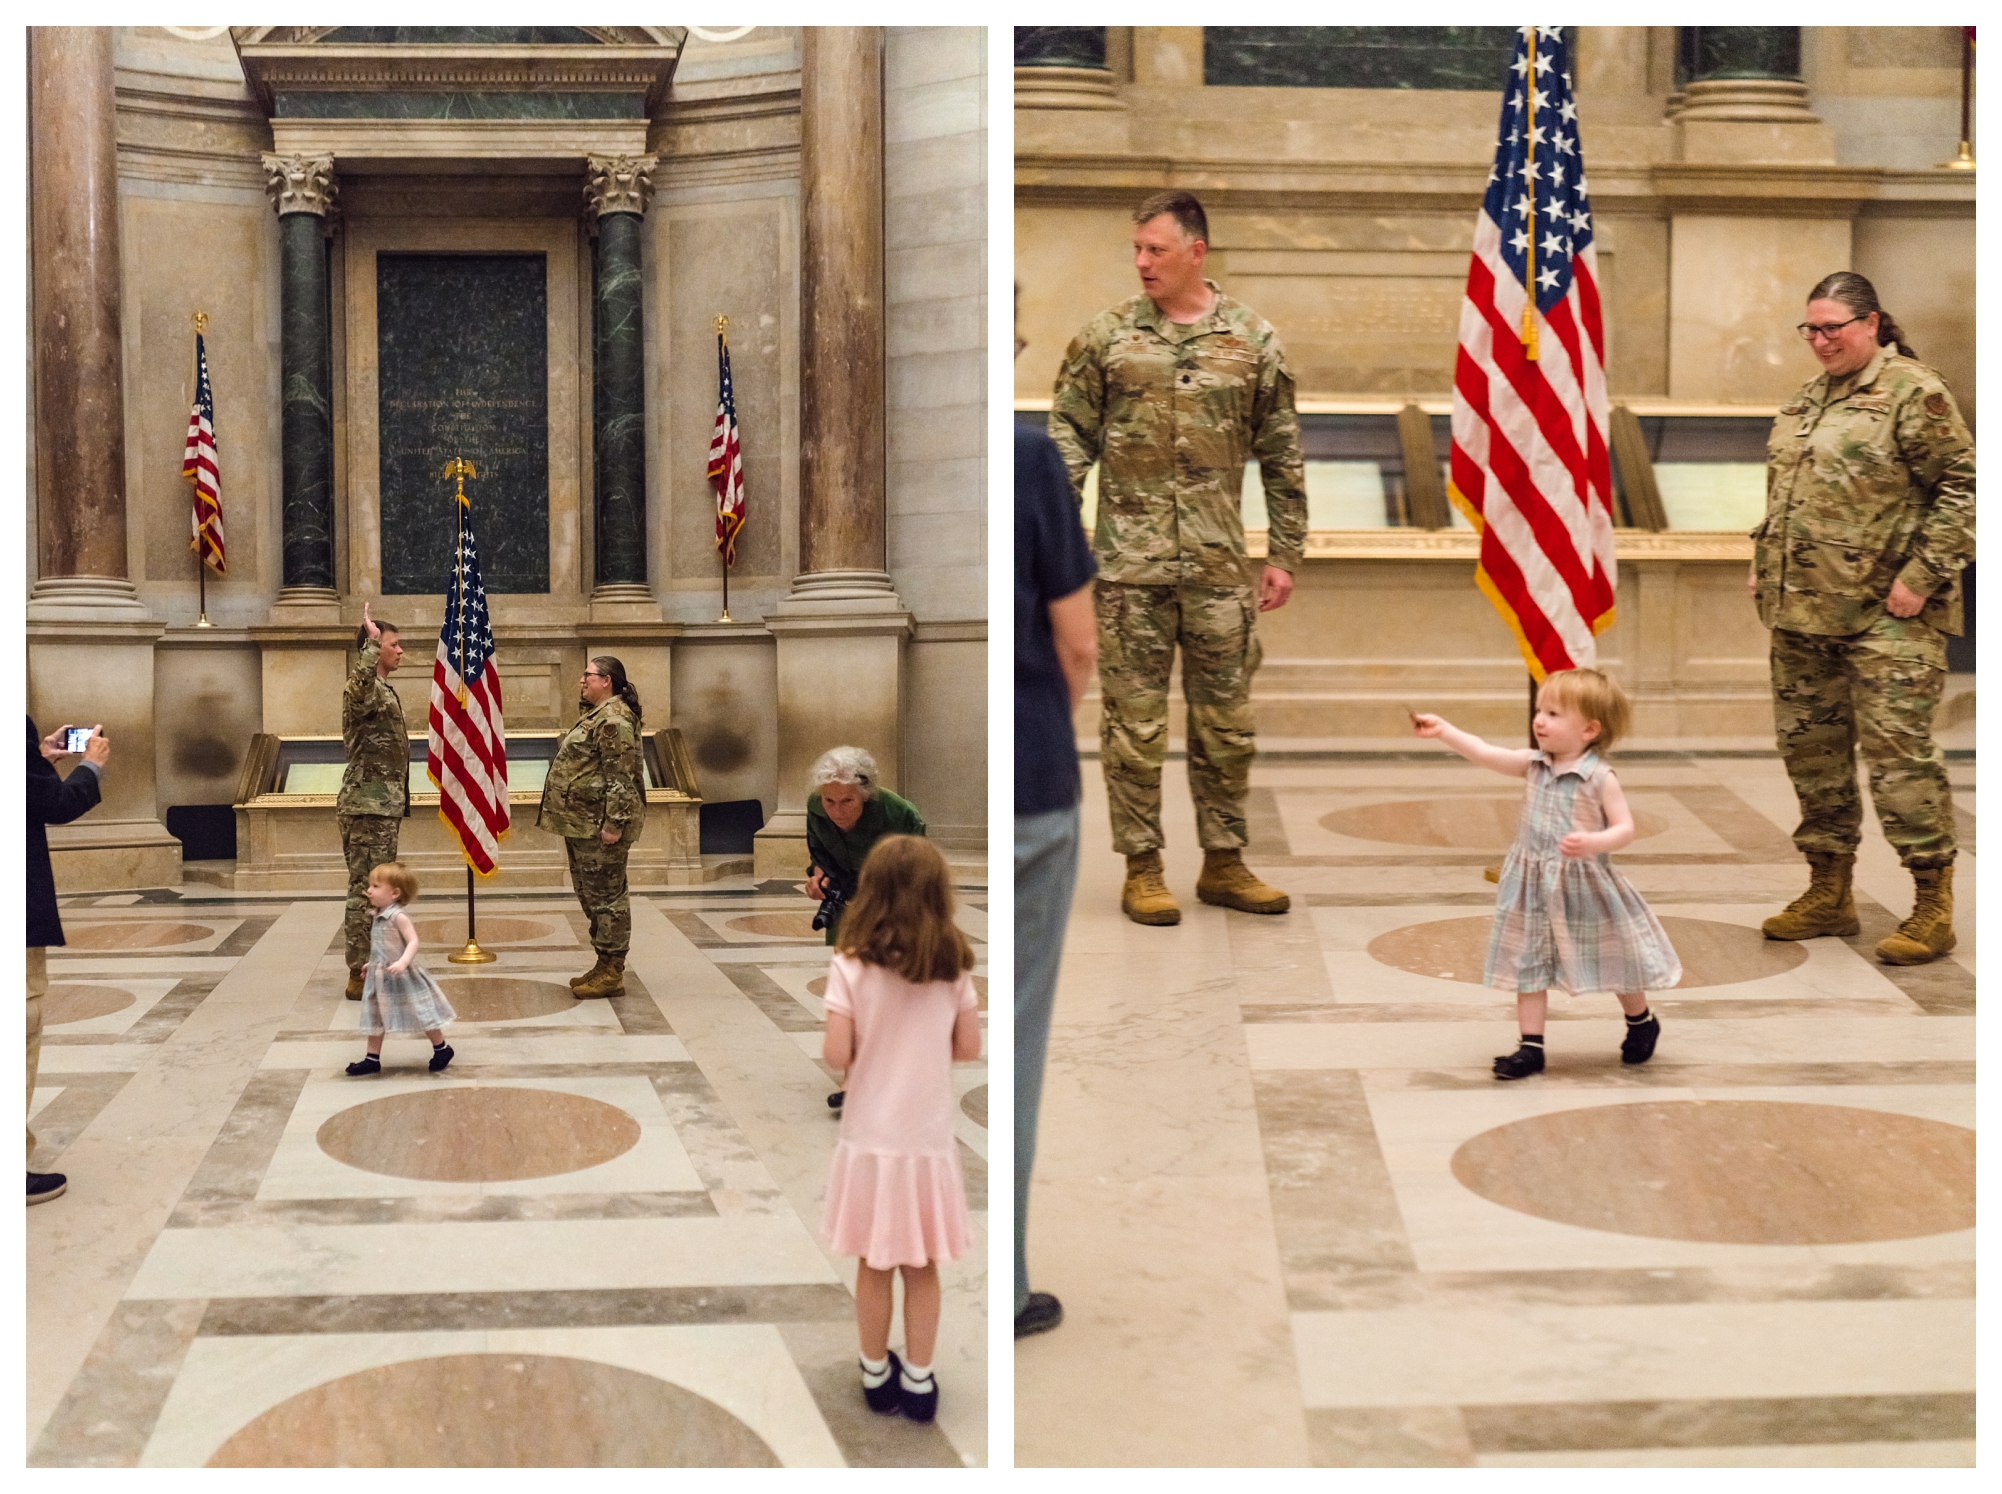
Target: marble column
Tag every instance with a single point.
(616, 191)
(79, 377)
(841, 630)
(1744, 101)
(303, 191)
(1063, 67)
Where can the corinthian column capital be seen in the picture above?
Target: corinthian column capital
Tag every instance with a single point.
(618, 184)
(301, 184)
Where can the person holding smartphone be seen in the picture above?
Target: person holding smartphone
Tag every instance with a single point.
(52, 800)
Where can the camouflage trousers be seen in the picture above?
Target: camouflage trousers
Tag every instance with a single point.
(367, 840)
(1139, 628)
(1876, 690)
(598, 872)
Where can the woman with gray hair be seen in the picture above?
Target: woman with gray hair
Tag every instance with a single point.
(847, 812)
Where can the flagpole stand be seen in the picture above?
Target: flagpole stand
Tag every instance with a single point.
(472, 954)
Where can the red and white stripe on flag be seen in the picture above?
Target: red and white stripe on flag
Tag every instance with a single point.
(467, 757)
(1530, 466)
(198, 466)
(726, 459)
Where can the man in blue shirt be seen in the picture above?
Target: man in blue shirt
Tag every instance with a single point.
(1056, 648)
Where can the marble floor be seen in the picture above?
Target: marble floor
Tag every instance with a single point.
(605, 1206)
(1294, 1221)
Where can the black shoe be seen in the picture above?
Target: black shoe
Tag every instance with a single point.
(43, 1186)
(888, 1398)
(1638, 1046)
(1526, 1060)
(1039, 1314)
(369, 1065)
(921, 1406)
(440, 1056)
(834, 1100)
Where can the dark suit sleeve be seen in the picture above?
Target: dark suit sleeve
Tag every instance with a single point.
(57, 801)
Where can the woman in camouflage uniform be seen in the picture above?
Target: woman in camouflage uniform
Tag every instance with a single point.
(595, 798)
(1869, 521)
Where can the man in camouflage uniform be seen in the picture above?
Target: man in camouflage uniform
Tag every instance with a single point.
(1171, 394)
(595, 798)
(1869, 520)
(375, 788)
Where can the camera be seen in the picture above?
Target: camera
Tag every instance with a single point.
(75, 738)
(829, 911)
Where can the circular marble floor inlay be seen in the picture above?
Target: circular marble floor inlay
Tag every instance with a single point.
(1471, 824)
(68, 1003)
(974, 1104)
(496, 1411)
(450, 933)
(478, 1135)
(1738, 1172)
(505, 998)
(1712, 953)
(775, 925)
(133, 935)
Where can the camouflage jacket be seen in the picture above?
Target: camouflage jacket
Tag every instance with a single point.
(377, 780)
(1172, 413)
(1869, 480)
(598, 778)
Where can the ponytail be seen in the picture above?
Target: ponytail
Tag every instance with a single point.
(1860, 296)
(621, 686)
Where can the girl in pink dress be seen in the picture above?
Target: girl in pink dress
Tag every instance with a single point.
(901, 1009)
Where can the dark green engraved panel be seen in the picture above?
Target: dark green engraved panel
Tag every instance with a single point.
(460, 36)
(1703, 53)
(310, 104)
(1458, 57)
(462, 343)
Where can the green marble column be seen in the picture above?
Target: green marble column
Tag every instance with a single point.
(302, 189)
(1060, 46)
(1710, 53)
(617, 192)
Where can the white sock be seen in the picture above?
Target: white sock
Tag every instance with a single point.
(917, 1378)
(874, 1371)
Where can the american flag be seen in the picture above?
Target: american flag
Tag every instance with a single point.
(198, 466)
(1530, 416)
(726, 459)
(468, 751)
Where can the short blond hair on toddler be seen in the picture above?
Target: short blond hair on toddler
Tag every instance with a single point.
(397, 875)
(1596, 697)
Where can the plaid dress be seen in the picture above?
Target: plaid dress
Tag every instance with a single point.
(410, 1002)
(1571, 923)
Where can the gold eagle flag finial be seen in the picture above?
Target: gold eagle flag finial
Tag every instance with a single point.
(462, 469)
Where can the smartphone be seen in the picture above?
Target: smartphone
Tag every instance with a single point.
(75, 737)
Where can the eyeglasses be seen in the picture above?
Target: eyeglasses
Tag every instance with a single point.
(1809, 331)
(592, 674)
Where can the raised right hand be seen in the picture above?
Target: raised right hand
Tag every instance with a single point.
(369, 623)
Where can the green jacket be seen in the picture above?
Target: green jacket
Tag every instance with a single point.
(1172, 414)
(1869, 480)
(839, 853)
(377, 779)
(598, 778)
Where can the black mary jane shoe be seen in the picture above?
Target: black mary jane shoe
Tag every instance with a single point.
(369, 1065)
(1526, 1060)
(888, 1398)
(1638, 1045)
(440, 1056)
(835, 1100)
(922, 1406)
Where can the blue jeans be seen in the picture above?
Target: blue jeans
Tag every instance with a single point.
(1045, 875)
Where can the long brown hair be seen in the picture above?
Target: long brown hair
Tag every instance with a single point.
(614, 671)
(901, 914)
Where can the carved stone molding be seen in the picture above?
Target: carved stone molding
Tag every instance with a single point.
(618, 184)
(301, 184)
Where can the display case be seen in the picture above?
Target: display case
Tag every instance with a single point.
(288, 839)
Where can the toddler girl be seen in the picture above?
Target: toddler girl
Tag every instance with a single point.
(1563, 916)
(398, 994)
(900, 1009)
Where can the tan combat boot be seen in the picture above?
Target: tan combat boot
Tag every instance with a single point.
(607, 980)
(1928, 933)
(578, 982)
(1827, 907)
(1229, 883)
(355, 981)
(1145, 898)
